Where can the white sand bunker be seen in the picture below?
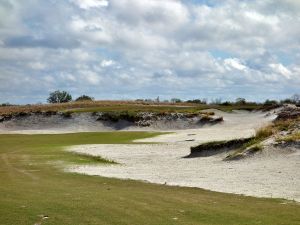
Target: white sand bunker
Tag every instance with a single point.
(276, 175)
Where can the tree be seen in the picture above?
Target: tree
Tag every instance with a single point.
(176, 100)
(59, 97)
(296, 98)
(217, 101)
(241, 101)
(6, 104)
(84, 98)
(197, 101)
(270, 102)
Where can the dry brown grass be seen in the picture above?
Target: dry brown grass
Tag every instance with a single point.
(114, 105)
(265, 132)
(291, 138)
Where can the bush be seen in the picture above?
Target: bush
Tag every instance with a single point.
(84, 98)
(5, 104)
(270, 102)
(240, 101)
(176, 100)
(59, 97)
(227, 103)
(197, 101)
(264, 132)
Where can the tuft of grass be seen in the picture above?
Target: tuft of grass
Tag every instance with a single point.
(264, 133)
(83, 158)
(284, 125)
(254, 149)
(252, 146)
(242, 153)
(213, 147)
(291, 138)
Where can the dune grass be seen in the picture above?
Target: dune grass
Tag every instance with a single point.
(291, 138)
(33, 186)
(131, 107)
(214, 147)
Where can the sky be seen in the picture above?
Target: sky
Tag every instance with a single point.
(130, 49)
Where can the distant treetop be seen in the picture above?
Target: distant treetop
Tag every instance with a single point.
(59, 97)
(84, 98)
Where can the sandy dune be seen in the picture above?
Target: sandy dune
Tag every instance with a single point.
(271, 174)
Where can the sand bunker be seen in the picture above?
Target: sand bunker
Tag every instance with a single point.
(272, 174)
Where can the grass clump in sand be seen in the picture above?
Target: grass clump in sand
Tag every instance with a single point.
(214, 147)
(86, 158)
(253, 145)
(290, 138)
(242, 147)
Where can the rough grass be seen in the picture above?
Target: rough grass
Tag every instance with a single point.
(214, 147)
(86, 158)
(284, 125)
(263, 133)
(291, 138)
(119, 106)
(252, 146)
(32, 186)
(241, 146)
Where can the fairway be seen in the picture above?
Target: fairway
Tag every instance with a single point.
(34, 185)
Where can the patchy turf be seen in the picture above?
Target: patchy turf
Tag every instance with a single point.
(33, 188)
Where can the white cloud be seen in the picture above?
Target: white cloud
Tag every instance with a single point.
(107, 63)
(151, 13)
(234, 63)
(68, 77)
(37, 65)
(175, 47)
(91, 77)
(281, 69)
(87, 4)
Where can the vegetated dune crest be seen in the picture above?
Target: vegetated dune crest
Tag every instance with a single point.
(67, 122)
(273, 173)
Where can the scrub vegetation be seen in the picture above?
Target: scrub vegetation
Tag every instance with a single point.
(125, 107)
(34, 188)
(249, 146)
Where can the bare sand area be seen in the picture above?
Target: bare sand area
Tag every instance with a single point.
(273, 173)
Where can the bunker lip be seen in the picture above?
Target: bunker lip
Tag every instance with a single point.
(103, 121)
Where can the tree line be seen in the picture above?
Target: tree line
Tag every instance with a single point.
(63, 96)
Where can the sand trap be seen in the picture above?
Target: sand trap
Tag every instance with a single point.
(275, 175)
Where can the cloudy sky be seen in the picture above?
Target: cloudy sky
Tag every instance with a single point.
(128, 49)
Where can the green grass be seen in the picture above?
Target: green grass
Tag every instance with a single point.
(31, 185)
